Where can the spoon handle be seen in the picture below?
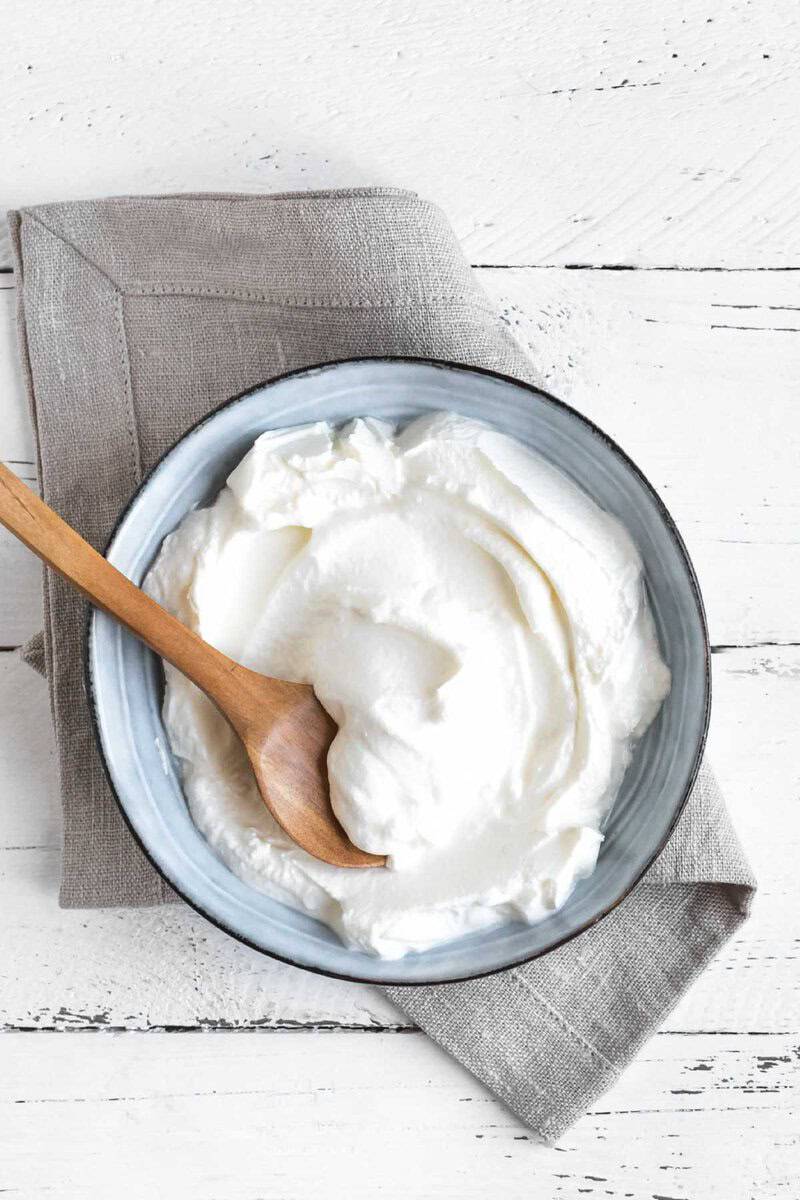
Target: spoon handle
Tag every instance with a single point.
(57, 543)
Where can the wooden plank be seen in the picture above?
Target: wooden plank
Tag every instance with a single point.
(596, 134)
(660, 360)
(705, 407)
(138, 969)
(590, 136)
(289, 1116)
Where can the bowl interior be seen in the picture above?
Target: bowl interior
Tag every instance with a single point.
(125, 677)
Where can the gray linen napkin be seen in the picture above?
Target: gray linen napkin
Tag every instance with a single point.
(137, 316)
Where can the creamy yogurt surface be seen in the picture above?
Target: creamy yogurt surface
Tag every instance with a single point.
(476, 626)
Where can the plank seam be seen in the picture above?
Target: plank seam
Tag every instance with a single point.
(285, 1026)
(584, 266)
(480, 266)
(289, 1026)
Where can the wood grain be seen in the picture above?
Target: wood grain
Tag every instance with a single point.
(558, 132)
(288, 1116)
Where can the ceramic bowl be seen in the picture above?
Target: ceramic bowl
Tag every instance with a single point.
(125, 680)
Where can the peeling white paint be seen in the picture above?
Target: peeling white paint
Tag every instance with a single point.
(558, 133)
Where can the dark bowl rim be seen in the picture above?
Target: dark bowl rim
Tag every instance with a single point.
(672, 529)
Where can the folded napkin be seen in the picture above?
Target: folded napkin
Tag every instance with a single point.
(137, 316)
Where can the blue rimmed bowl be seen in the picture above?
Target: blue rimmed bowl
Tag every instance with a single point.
(125, 680)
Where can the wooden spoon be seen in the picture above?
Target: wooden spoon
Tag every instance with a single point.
(285, 730)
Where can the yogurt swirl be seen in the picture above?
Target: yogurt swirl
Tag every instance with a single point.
(476, 626)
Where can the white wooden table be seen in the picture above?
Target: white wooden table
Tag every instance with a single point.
(144, 1053)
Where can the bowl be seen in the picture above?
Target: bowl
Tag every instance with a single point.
(125, 679)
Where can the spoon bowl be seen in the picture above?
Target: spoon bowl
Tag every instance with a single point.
(288, 753)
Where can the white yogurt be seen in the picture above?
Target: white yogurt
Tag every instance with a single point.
(477, 628)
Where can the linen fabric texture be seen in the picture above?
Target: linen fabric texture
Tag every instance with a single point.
(139, 315)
